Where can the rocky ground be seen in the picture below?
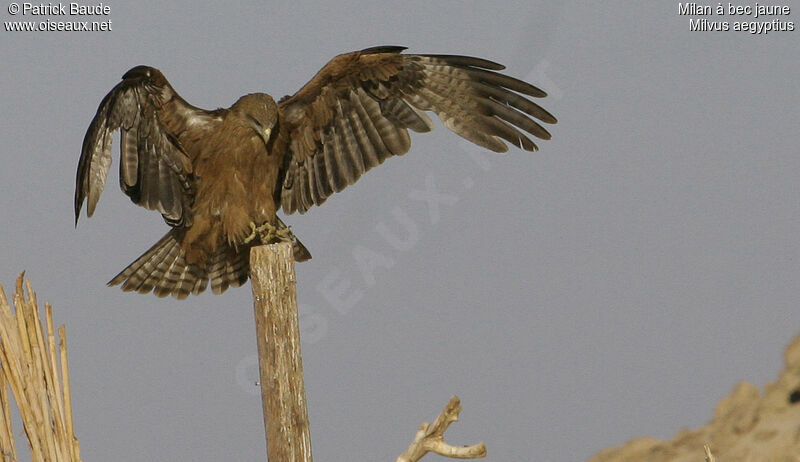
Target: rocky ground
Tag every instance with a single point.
(748, 426)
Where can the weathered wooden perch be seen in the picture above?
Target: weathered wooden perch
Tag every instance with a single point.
(283, 392)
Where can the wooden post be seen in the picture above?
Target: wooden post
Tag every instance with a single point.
(283, 393)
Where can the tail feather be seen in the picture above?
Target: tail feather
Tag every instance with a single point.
(169, 277)
(200, 282)
(183, 279)
(142, 267)
(164, 271)
(300, 251)
(160, 264)
(229, 269)
(216, 269)
(135, 276)
(186, 281)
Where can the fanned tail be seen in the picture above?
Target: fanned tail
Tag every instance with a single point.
(164, 271)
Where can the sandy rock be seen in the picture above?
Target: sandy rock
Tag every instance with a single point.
(748, 426)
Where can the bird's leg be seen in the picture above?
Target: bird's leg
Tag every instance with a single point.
(267, 232)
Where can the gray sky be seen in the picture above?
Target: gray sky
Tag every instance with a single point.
(616, 283)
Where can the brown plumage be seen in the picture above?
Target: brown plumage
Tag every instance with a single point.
(215, 174)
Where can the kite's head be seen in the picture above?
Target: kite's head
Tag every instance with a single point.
(259, 112)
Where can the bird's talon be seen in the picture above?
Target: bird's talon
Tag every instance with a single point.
(268, 232)
(253, 233)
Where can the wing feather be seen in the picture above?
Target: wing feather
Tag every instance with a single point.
(155, 172)
(332, 168)
(347, 139)
(358, 109)
(313, 189)
(324, 188)
(305, 197)
(346, 168)
(404, 115)
(377, 151)
(129, 158)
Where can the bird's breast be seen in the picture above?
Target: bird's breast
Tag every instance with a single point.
(235, 181)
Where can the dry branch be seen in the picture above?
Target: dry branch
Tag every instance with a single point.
(709, 456)
(430, 438)
(40, 385)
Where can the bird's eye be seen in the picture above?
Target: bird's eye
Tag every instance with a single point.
(254, 121)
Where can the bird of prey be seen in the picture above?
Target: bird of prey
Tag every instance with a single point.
(219, 177)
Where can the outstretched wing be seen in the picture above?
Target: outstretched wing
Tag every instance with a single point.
(357, 110)
(155, 172)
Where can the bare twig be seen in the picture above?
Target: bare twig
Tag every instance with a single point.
(430, 438)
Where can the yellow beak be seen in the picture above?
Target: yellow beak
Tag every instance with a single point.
(265, 135)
